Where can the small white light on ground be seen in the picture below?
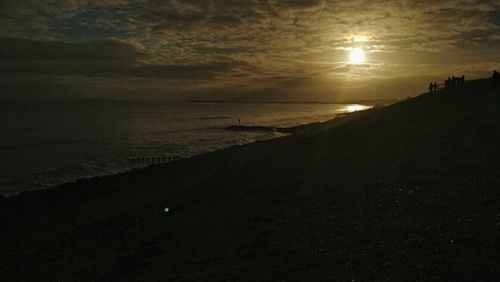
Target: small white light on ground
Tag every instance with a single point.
(167, 209)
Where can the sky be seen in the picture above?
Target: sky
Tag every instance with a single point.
(290, 50)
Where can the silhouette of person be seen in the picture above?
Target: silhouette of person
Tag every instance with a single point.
(431, 87)
(463, 79)
(239, 121)
(435, 86)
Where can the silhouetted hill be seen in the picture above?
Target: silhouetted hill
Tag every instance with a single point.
(404, 192)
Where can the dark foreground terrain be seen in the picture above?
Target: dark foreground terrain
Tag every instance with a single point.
(402, 193)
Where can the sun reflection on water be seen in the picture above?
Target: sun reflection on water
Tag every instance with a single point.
(355, 108)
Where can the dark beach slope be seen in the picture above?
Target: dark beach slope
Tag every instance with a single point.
(405, 192)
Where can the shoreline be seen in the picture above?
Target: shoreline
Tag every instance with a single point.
(293, 130)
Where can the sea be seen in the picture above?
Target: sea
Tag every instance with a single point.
(44, 143)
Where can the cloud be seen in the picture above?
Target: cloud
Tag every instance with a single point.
(254, 44)
(14, 49)
(102, 58)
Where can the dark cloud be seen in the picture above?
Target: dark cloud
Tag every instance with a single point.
(495, 17)
(15, 49)
(103, 58)
(227, 21)
(114, 69)
(300, 3)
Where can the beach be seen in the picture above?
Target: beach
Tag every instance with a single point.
(402, 192)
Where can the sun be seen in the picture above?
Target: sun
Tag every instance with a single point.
(357, 56)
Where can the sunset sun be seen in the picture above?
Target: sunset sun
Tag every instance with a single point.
(357, 56)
